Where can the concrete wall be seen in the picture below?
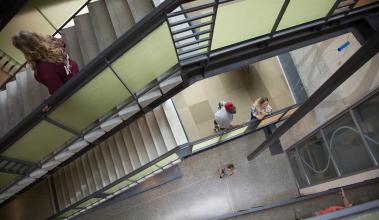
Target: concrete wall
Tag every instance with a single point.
(34, 204)
(315, 64)
(196, 105)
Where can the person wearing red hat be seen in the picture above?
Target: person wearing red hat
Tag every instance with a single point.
(224, 116)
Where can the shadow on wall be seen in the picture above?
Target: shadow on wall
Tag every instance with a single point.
(197, 104)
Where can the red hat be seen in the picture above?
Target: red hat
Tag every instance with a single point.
(228, 105)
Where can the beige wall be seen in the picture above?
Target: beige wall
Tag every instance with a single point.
(316, 64)
(34, 204)
(196, 105)
(28, 18)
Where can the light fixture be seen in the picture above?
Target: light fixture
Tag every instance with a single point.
(110, 124)
(38, 173)
(63, 156)
(77, 146)
(128, 111)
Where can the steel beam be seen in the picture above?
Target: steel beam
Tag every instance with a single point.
(364, 54)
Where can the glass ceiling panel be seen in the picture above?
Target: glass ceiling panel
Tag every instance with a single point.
(41, 140)
(205, 144)
(68, 213)
(302, 11)
(5, 178)
(151, 57)
(92, 101)
(241, 20)
(233, 133)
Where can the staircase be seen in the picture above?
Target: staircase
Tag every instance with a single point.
(144, 140)
(91, 33)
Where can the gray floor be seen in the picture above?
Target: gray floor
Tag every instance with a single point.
(200, 194)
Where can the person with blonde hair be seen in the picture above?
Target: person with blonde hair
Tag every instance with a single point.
(48, 58)
(260, 109)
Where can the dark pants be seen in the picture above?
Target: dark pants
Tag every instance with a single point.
(275, 148)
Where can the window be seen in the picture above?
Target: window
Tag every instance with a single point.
(368, 118)
(347, 146)
(316, 161)
(297, 168)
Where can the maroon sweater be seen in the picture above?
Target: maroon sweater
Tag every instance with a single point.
(53, 76)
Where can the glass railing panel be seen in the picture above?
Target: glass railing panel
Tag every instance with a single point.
(303, 11)
(233, 133)
(238, 21)
(290, 112)
(118, 186)
(151, 57)
(144, 172)
(167, 160)
(269, 120)
(92, 101)
(37, 143)
(5, 178)
(88, 203)
(69, 213)
(205, 144)
(362, 3)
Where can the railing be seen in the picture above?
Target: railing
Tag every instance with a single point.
(129, 40)
(20, 67)
(167, 160)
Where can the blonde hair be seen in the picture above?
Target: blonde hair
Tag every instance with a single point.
(39, 48)
(258, 103)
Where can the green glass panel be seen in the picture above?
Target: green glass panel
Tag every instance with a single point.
(233, 133)
(152, 56)
(167, 160)
(91, 102)
(205, 144)
(302, 11)
(68, 213)
(41, 140)
(144, 172)
(238, 21)
(5, 178)
(88, 202)
(118, 187)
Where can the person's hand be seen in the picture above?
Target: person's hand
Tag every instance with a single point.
(46, 109)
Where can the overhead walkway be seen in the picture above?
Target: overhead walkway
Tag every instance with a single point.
(143, 68)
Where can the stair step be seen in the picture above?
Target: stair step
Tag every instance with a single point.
(61, 180)
(91, 159)
(21, 79)
(125, 159)
(111, 169)
(149, 97)
(140, 8)
(102, 167)
(70, 185)
(35, 96)
(72, 45)
(3, 113)
(147, 138)
(58, 190)
(102, 24)
(132, 152)
(14, 104)
(128, 111)
(121, 16)
(83, 184)
(88, 174)
(174, 122)
(155, 133)
(138, 143)
(86, 37)
(164, 127)
(170, 83)
(116, 158)
(110, 124)
(75, 181)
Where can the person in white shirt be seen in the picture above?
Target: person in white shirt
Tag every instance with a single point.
(224, 116)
